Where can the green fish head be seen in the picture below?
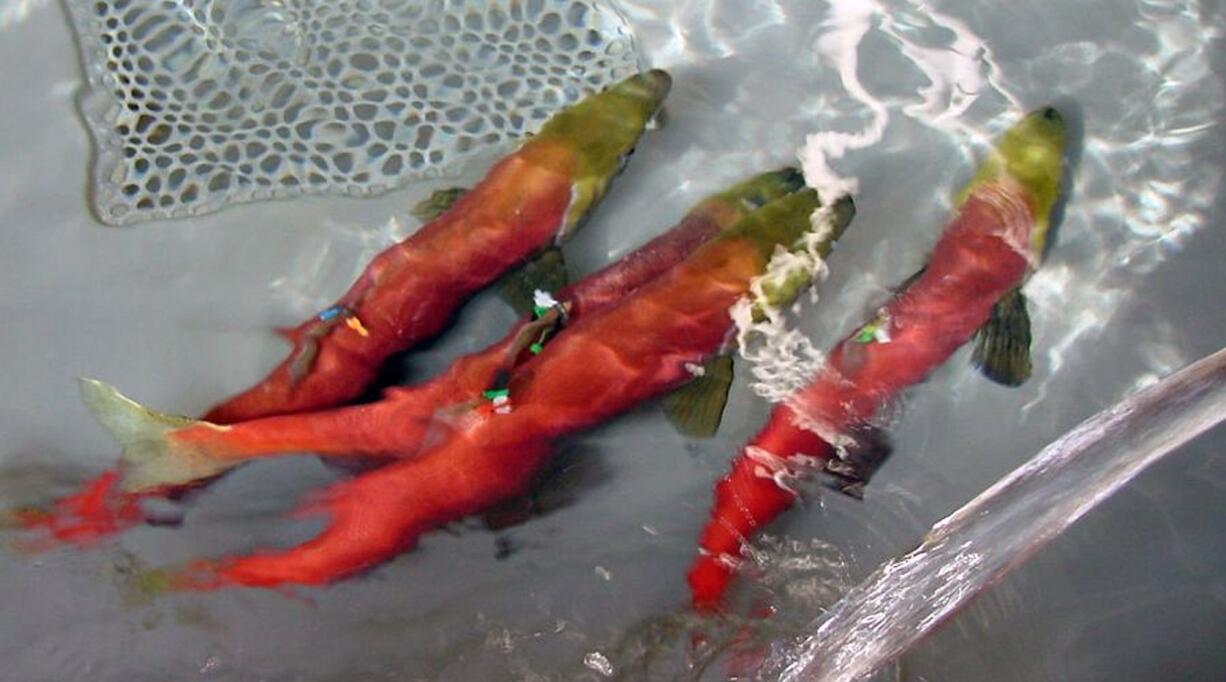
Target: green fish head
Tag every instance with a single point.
(1032, 154)
(787, 220)
(756, 192)
(786, 224)
(602, 129)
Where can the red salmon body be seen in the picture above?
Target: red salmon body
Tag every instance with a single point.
(401, 424)
(979, 258)
(602, 366)
(411, 290)
(408, 293)
(598, 367)
(467, 377)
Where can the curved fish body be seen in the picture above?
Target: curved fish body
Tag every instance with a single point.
(529, 200)
(984, 254)
(168, 452)
(601, 366)
(532, 198)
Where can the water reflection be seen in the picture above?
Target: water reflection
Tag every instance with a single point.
(750, 86)
(13, 12)
(892, 81)
(333, 258)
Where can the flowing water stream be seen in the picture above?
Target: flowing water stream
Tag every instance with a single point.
(976, 546)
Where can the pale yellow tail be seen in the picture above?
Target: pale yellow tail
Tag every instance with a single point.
(151, 460)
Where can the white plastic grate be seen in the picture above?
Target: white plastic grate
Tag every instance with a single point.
(196, 104)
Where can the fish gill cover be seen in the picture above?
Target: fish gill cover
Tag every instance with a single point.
(198, 104)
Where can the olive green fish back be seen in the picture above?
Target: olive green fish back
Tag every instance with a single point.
(603, 129)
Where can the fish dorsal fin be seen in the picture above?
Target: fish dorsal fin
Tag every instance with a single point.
(437, 203)
(546, 272)
(697, 407)
(1002, 344)
(532, 338)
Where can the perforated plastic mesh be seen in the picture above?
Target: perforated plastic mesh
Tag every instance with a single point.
(194, 104)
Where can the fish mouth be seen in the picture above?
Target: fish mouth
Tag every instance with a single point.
(652, 85)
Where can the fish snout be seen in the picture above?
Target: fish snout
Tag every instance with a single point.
(652, 85)
(658, 82)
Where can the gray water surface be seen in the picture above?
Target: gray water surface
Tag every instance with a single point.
(179, 313)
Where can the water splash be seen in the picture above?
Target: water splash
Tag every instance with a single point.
(1008, 523)
(957, 72)
(808, 575)
(782, 359)
(966, 92)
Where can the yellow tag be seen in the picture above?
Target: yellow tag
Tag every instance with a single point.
(356, 325)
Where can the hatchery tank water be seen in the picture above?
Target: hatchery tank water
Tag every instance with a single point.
(897, 98)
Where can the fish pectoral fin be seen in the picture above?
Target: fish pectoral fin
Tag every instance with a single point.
(437, 203)
(1002, 345)
(696, 408)
(546, 272)
(855, 465)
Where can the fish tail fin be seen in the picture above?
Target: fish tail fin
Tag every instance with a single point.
(152, 457)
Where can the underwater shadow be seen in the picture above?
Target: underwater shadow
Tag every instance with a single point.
(1074, 147)
(573, 472)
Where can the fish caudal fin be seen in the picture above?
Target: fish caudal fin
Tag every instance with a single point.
(151, 458)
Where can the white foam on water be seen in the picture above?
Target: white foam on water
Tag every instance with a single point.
(783, 359)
